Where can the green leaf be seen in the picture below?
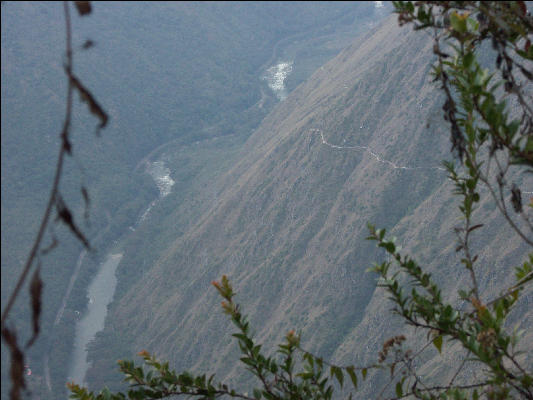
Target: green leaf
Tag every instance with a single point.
(512, 128)
(472, 24)
(106, 394)
(306, 375)
(437, 342)
(337, 372)
(458, 22)
(240, 336)
(248, 361)
(389, 246)
(468, 59)
(399, 389)
(352, 375)
(364, 372)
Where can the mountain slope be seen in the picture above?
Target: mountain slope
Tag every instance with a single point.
(349, 146)
(169, 75)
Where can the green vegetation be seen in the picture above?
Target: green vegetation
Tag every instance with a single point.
(494, 146)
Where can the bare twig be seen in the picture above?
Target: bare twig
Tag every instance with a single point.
(65, 148)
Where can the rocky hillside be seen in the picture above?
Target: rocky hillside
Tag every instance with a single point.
(359, 142)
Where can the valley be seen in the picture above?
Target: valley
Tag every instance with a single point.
(179, 118)
(254, 141)
(288, 222)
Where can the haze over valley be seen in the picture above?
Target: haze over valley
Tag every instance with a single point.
(255, 140)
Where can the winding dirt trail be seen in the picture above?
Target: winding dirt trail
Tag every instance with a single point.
(373, 153)
(377, 157)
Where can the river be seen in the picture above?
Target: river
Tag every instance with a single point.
(275, 77)
(100, 292)
(161, 176)
(102, 287)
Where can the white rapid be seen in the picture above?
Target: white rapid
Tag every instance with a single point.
(275, 77)
(161, 175)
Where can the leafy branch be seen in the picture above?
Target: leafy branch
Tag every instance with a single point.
(480, 331)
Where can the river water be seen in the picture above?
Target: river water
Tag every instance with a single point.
(102, 288)
(161, 175)
(100, 293)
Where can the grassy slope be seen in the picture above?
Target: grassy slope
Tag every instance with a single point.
(164, 72)
(289, 225)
